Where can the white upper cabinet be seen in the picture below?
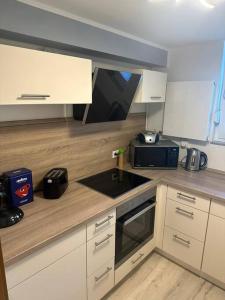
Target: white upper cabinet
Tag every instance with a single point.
(188, 109)
(37, 77)
(152, 87)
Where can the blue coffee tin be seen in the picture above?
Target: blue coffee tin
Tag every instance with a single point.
(19, 186)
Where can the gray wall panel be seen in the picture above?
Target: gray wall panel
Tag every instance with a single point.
(16, 17)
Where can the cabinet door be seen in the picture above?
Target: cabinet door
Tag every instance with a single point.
(38, 77)
(184, 115)
(214, 254)
(65, 279)
(152, 87)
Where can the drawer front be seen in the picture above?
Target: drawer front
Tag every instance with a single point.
(102, 281)
(133, 261)
(64, 279)
(47, 255)
(183, 247)
(218, 208)
(188, 199)
(100, 224)
(100, 249)
(186, 219)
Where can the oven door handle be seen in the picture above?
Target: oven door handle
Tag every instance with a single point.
(139, 214)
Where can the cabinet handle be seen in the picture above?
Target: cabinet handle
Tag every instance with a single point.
(104, 221)
(180, 195)
(176, 237)
(155, 97)
(183, 211)
(97, 278)
(104, 240)
(33, 97)
(139, 257)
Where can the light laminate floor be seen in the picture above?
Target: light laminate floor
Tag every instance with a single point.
(160, 279)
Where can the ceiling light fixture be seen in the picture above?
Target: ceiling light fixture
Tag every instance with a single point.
(209, 3)
(206, 3)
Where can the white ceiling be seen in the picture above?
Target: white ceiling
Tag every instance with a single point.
(168, 23)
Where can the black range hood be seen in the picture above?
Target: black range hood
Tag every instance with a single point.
(113, 92)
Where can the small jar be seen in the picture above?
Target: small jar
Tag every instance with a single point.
(120, 161)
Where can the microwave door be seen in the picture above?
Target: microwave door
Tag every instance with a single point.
(151, 157)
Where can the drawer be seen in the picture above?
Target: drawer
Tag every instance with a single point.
(183, 247)
(64, 279)
(44, 257)
(186, 219)
(100, 249)
(218, 208)
(188, 199)
(102, 281)
(133, 261)
(98, 225)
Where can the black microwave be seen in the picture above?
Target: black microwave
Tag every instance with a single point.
(162, 155)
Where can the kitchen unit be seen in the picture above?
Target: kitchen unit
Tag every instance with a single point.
(43, 273)
(37, 77)
(181, 232)
(213, 260)
(152, 87)
(86, 226)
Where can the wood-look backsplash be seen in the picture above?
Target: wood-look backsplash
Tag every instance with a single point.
(82, 149)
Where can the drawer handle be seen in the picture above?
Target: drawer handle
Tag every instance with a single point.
(180, 195)
(139, 257)
(183, 211)
(33, 97)
(104, 240)
(104, 221)
(97, 278)
(155, 97)
(176, 237)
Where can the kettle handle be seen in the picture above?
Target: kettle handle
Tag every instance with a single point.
(203, 161)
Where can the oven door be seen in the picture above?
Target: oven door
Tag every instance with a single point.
(133, 230)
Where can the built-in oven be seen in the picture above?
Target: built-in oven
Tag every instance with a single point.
(134, 225)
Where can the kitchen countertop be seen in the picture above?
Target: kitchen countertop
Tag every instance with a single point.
(46, 220)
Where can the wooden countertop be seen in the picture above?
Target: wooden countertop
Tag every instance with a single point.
(46, 220)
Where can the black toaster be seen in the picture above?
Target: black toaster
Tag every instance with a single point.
(55, 182)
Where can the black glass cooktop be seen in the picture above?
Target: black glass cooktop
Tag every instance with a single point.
(114, 182)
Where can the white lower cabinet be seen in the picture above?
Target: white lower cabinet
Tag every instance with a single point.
(56, 271)
(101, 255)
(64, 279)
(100, 249)
(102, 281)
(183, 247)
(133, 261)
(186, 219)
(214, 254)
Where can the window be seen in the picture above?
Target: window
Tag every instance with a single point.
(219, 119)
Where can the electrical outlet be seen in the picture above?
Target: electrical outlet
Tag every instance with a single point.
(114, 153)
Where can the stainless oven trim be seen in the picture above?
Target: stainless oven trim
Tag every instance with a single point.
(123, 209)
(139, 214)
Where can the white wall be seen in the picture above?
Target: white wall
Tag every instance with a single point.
(199, 62)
